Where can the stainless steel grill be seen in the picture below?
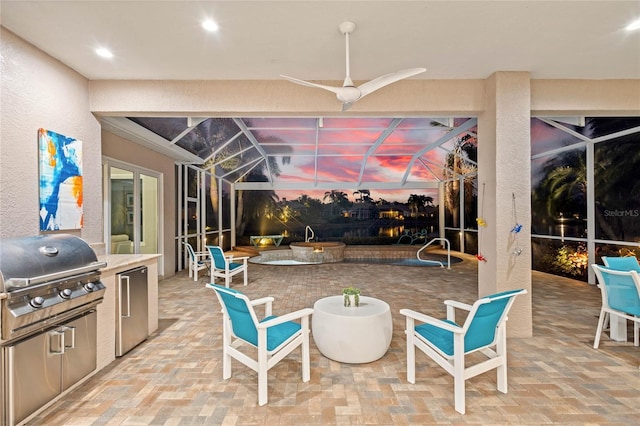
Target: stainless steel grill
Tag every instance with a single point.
(44, 279)
(49, 289)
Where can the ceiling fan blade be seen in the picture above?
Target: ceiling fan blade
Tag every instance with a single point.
(385, 80)
(333, 89)
(346, 106)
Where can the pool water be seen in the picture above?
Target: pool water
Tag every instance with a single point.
(398, 262)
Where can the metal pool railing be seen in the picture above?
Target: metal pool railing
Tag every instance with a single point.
(436, 261)
(308, 234)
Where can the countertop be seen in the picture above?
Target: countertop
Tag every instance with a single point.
(116, 261)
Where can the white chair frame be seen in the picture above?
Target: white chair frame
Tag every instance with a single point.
(606, 311)
(265, 359)
(227, 273)
(198, 260)
(455, 365)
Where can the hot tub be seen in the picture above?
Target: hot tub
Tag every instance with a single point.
(319, 252)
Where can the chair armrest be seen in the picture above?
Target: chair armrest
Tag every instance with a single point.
(451, 308)
(201, 254)
(262, 301)
(431, 320)
(267, 301)
(458, 305)
(287, 317)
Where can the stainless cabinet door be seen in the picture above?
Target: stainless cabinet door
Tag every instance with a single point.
(80, 354)
(133, 310)
(34, 374)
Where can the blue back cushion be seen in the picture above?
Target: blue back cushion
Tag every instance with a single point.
(628, 263)
(218, 257)
(241, 321)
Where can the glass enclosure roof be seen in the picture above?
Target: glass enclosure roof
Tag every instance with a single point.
(307, 152)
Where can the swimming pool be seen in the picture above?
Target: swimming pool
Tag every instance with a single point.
(280, 258)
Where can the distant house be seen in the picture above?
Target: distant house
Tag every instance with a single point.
(393, 211)
(361, 211)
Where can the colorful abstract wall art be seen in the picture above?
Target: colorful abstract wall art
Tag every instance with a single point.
(60, 181)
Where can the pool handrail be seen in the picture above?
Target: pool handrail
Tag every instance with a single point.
(436, 261)
(308, 231)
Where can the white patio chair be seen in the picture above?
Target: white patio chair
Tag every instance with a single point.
(226, 266)
(198, 260)
(274, 336)
(620, 292)
(447, 343)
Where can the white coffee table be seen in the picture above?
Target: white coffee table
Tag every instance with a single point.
(352, 335)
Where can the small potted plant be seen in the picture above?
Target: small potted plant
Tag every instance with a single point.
(351, 296)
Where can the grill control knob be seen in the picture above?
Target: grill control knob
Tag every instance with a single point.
(89, 287)
(37, 302)
(66, 293)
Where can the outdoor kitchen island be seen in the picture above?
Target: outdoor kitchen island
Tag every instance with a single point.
(107, 310)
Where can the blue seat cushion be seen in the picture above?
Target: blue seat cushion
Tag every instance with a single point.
(278, 334)
(440, 338)
(233, 265)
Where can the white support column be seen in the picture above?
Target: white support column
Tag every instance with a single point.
(591, 215)
(441, 210)
(504, 181)
(232, 192)
(461, 213)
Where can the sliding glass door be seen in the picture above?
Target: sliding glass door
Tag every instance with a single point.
(132, 210)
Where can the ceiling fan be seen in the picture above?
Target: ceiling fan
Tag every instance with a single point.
(348, 93)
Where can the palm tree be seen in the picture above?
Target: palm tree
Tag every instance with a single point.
(456, 165)
(337, 198)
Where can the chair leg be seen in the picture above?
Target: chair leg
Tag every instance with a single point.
(411, 351)
(262, 367)
(245, 275)
(226, 280)
(596, 341)
(501, 351)
(226, 343)
(306, 359)
(458, 374)
(636, 332)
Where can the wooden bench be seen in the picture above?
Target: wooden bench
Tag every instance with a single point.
(256, 239)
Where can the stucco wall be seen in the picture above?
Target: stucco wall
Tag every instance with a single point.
(115, 147)
(39, 91)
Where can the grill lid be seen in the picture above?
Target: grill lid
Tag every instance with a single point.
(28, 261)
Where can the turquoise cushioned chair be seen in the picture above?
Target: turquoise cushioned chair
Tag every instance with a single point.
(447, 342)
(226, 266)
(198, 260)
(275, 336)
(620, 292)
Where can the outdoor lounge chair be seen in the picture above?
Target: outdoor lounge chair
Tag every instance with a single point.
(447, 343)
(225, 266)
(274, 337)
(198, 260)
(620, 292)
(623, 263)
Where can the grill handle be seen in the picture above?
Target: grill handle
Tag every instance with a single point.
(66, 328)
(24, 282)
(128, 295)
(59, 333)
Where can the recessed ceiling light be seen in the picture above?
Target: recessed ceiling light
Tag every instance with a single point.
(635, 25)
(105, 53)
(210, 25)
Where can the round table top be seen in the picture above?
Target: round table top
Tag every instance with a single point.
(334, 305)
